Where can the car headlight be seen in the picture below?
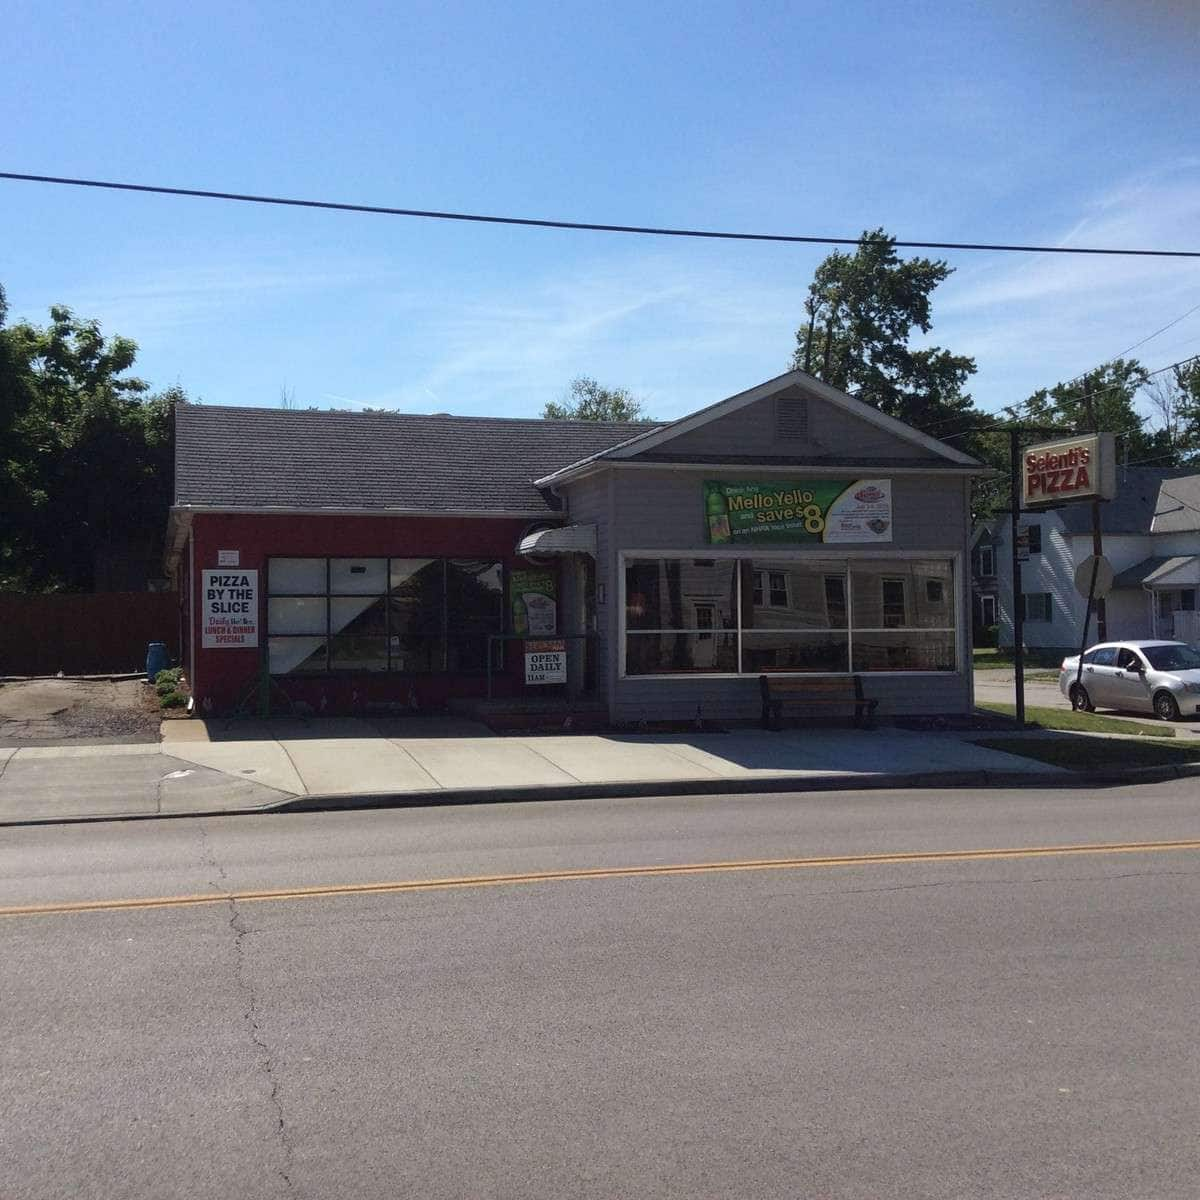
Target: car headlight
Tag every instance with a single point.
(1191, 687)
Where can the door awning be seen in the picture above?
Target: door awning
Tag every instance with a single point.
(565, 539)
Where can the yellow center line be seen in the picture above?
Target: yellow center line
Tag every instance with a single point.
(564, 876)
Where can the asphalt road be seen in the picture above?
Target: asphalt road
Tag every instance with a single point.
(1010, 1026)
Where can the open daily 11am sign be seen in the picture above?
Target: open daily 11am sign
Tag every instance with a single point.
(228, 609)
(816, 510)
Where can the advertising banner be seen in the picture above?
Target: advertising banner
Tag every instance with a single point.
(1078, 468)
(815, 510)
(545, 662)
(533, 601)
(228, 609)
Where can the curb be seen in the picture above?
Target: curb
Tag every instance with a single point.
(447, 797)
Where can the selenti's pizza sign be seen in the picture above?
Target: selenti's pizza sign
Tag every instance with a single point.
(1079, 468)
(807, 510)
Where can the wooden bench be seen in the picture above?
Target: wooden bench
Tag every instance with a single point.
(816, 691)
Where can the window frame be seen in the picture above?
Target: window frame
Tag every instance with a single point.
(987, 562)
(849, 556)
(443, 639)
(1048, 607)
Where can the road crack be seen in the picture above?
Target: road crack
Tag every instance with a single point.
(219, 881)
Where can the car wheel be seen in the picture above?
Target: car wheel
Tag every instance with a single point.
(1080, 700)
(1165, 706)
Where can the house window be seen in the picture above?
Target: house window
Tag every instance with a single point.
(1038, 606)
(987, 560)
(987, 610)
(893, 603)
(771, 588)
(789, 615)
(1034, 534)
(410, 615)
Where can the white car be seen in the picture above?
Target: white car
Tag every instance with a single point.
(1158, 677)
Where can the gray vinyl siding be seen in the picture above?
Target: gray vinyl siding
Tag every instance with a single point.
(587, 504)
(653, 509)
(831, 431)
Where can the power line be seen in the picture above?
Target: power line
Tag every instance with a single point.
(592, 226)
(1151, 337)
(1015, 408)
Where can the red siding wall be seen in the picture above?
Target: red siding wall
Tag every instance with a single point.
(225, 676)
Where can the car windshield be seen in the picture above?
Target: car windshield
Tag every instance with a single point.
(1172, 658)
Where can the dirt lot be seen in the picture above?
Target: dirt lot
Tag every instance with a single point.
(48, 711)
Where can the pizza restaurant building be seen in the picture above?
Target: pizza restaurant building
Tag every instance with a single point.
(385, 562)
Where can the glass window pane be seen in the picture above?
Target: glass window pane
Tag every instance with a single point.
(762, 652)
(413, 655)
(794, 595)
(358, 576)
(292, 655)
(358, 654)
(296, 614)
(678, 653)
(358, 615)
(905, 650)
(916, 594)
(474, 595)
(468, 655)
(297, 576)
(665, 593)
(418, 597)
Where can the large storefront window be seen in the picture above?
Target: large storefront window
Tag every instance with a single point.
(755, 615)
(410, 615)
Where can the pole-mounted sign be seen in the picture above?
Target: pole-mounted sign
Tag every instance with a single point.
(1078, 468)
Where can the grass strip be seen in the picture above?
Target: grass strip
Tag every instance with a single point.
(1090, 754)
(1078, 722)
(1036, 663)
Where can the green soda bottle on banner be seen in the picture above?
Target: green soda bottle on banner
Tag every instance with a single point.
(719, 532)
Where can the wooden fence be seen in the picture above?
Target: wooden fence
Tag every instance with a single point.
(84, 634)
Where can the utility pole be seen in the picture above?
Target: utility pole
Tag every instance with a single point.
(1018, 598)
(1097, 536)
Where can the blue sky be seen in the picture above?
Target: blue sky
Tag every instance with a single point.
(1070, 122)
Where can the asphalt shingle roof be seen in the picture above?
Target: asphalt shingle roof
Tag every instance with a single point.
(268, 458)
(1133, 509)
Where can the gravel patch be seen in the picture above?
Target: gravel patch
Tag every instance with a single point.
(42, 712)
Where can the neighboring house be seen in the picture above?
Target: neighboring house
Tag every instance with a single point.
(985, 583)
(1151, 535)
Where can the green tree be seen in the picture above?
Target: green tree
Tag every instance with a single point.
(1113, 388)
(862, 311)
(587, 400)
(87, 453)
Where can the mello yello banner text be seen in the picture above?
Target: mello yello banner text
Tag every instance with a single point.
(815, 510)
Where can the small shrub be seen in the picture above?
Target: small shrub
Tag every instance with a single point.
(173, 700)
(171, 675)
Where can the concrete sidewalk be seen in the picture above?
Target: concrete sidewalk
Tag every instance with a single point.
(222, 766)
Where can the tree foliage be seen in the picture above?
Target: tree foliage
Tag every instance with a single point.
(1113, 388)
(862, 312)
(85, 453)
(587, 400)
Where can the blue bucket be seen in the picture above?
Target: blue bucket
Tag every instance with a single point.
(157, 659)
